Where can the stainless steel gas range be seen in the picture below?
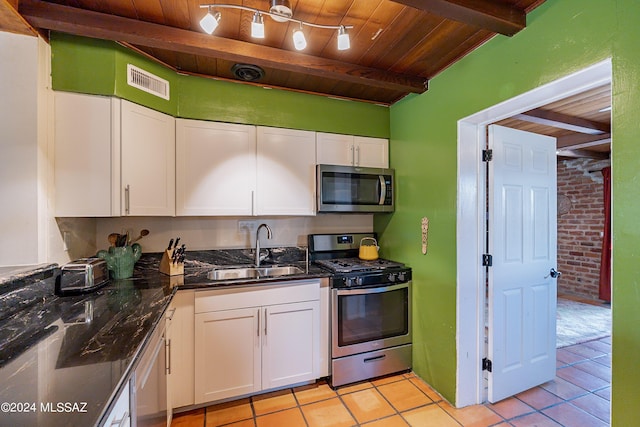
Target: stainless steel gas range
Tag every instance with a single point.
(370, 309)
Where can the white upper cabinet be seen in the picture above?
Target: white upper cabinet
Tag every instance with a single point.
(148, 161)
(286, 176)
(215, 168)
(112, 158)
(87, 155)
(349, 150)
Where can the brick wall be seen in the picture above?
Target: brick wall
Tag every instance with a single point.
(580, 227)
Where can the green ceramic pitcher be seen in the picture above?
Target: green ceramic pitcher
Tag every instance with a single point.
(121, 259)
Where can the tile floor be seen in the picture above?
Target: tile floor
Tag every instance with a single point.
(578, 396)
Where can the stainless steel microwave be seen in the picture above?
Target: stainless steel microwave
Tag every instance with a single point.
(354, 189)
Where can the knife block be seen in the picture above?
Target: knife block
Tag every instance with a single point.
(168, 267)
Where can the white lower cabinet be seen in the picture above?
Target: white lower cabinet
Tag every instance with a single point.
(180, 349)
(257, 338)
(120, 414)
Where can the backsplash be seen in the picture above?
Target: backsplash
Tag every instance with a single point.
(201, 233)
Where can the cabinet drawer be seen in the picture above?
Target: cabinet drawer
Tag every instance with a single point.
(257, 296)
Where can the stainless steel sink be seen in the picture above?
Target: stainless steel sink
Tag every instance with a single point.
(253, 272)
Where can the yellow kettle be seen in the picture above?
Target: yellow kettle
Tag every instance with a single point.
(368, 251)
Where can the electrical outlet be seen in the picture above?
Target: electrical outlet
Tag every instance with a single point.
(249, 226)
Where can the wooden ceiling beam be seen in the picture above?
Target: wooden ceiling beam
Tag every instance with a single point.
(583, 154)
(12, 22)
(564, 121)
(583, 140)
(490, 15)
(85, 23)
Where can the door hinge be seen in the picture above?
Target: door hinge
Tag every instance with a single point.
(487, 155)
(487, 365)
(487, 260)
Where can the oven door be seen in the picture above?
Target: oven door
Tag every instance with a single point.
(367, 319)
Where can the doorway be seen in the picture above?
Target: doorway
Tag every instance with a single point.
(470, 218)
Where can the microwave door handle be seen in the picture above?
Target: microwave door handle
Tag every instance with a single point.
(383, 190)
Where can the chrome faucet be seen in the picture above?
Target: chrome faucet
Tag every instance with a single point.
(258, 241)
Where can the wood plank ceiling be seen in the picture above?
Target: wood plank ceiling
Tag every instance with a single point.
(396, 46)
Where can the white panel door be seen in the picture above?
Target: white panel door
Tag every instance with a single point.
(286, 172)
(215, 168)
(227, 354)
(291, 344)
(148, 161)
(522, 240)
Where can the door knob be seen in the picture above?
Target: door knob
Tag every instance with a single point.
(553, 273)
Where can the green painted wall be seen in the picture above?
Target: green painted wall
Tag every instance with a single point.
(99, 67)
(561, 37)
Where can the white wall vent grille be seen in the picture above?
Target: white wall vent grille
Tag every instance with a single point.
(144, 80)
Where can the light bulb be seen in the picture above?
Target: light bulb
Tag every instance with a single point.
(299, 42)
(210, 22)
(257, 26)
(343, 39)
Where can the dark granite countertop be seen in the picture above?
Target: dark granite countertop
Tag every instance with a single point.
(82, 349)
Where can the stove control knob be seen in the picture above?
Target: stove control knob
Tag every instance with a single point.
(348, 281)
(392, 277)
(359, 281)
(401, 276)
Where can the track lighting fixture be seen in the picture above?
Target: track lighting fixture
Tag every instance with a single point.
(280, 11)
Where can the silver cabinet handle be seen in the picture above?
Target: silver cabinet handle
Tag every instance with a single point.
(168, 368)
(258, 331)
(173, 312)
(121, 421)
(353, 159)
(126, 199)
(358, 156)
(265, 321)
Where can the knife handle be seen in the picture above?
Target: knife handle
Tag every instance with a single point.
(170, 244)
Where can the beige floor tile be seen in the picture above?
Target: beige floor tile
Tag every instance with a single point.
(472, 416)
(354, 387)
(193, 418)
(313, 393)
(393, 421)
(429, 416)
(388, 379)
(404, 395)
(327, 413)
(229, 412)
(287, 418)
(367, 405)
(272, 402)
(431, 393)
(245, 423)
(511, 407)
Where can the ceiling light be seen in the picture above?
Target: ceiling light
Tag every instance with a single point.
(279, 11)
(257, 26)
(343, 39)
(210, 22)
(299, 41)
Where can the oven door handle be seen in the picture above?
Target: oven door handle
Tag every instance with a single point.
(373, 290)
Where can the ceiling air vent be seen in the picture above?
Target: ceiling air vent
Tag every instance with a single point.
(247, 72)
(144, 80)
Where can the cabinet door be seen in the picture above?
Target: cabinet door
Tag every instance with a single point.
(291, 344)
(215, 168)
(227, 354)
(87, 155)
(334, 149)
(148, 161)
(371, 152)
(181, 349)
(285, 172)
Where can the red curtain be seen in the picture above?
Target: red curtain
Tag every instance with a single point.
(605, 258)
